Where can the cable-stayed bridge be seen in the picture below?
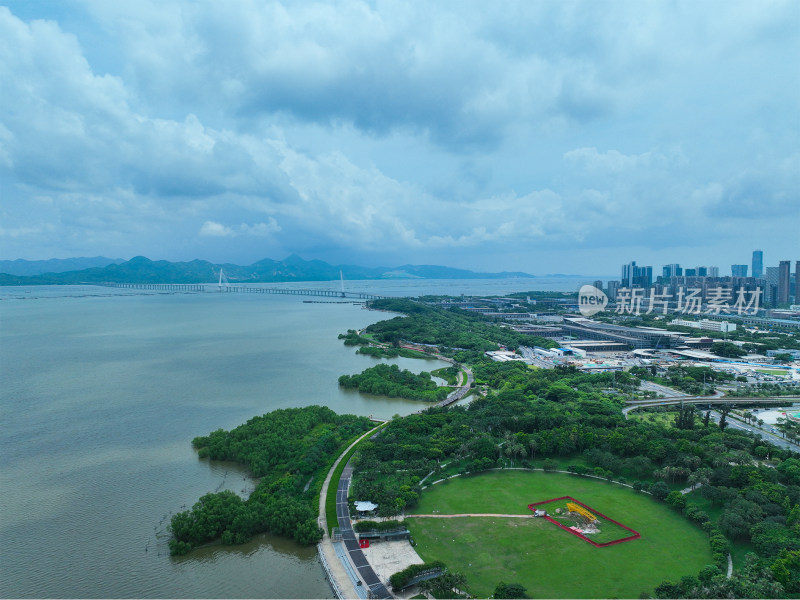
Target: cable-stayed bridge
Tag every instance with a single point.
(237, 289)
(241, 289)
(227, 287)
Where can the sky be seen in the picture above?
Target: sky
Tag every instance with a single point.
(540, 136)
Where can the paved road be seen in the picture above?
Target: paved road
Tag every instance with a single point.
(365, 572)
(770, 437)
(459, 393)
(665, 391)
(530, 356)
(716, 399)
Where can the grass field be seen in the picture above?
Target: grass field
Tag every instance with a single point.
(776, 372)
(548, 561)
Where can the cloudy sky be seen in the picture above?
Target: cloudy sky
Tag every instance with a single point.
(543, 136)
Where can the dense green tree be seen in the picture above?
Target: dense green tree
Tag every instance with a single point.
(659, 490)
(786, 570)
(739, 516)
(389, 380)
(445, 585)
(289, 450)
(676, 500)
(510, 590)
(752, 581)
(789, 471)
(727, 350)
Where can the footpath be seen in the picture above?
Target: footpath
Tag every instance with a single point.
(340, 580)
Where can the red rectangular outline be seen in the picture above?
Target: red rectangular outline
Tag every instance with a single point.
(636, 534)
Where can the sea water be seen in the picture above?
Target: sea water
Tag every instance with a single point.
(102, 391)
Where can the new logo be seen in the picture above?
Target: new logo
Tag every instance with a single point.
(591, 300)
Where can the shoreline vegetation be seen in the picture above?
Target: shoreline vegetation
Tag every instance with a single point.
(291, 451)
(390, 381)
(740, 491)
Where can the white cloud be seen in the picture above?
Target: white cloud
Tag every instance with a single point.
(417, 127)
(260, 229)
(212, 229)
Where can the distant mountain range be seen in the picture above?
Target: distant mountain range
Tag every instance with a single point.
(143, 270)
(28, 268)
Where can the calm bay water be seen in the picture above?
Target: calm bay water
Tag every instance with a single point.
(103, 390)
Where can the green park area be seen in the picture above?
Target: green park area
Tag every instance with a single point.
(775, 372)
(548, 561)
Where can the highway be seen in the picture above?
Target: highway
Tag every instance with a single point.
(717, 399)
(776, 440)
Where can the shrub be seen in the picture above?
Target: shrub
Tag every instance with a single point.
(510, 590)
(378, 525)
(659, 490)
(400, 579)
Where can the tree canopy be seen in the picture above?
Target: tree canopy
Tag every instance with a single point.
(290, 450)
(389, 380)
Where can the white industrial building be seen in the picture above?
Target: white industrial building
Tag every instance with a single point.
(706, 324)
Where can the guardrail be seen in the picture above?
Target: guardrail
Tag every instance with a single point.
(328, 574)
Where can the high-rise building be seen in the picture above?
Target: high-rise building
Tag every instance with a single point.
(771, 286)
(758, 264)
(784, 281)
(633, 275)
(627, 273)
(702, 272)
(673, 270)
(691, 272)
(645, 277)
(797, 282)
(713, 271)
(738, 270)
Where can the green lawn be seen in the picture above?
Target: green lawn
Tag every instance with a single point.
(776, 372)
(548, 561)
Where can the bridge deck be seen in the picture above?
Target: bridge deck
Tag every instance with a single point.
(239, 289)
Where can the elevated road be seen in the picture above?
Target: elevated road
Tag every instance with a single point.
(460, 392)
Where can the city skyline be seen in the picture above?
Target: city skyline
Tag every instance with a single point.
(778, 285)
(709, 269)
(546, 138)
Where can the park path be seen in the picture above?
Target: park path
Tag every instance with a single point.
(341, 582)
